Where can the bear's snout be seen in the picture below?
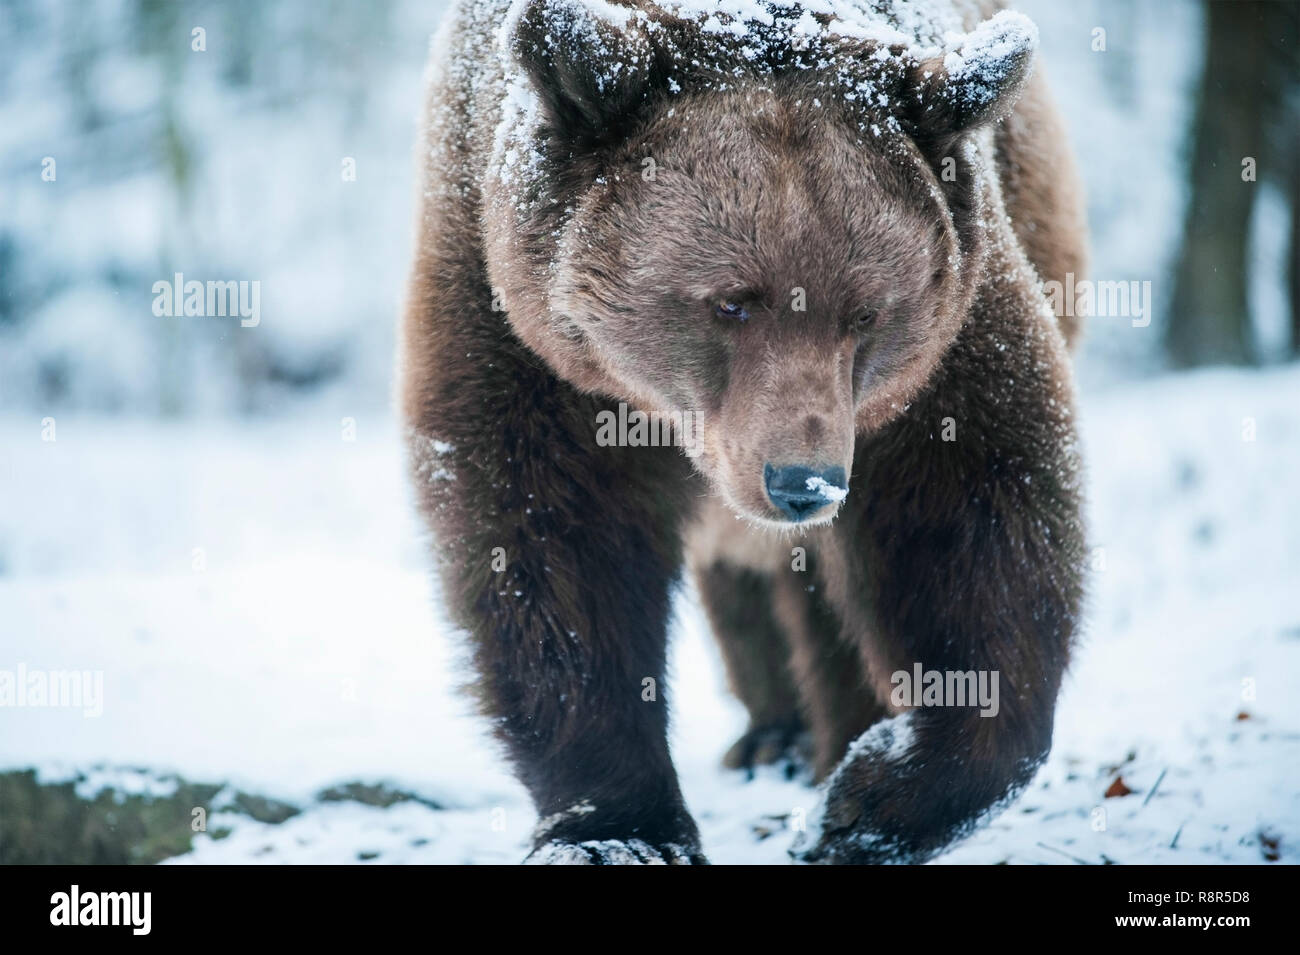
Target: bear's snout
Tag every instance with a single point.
(799, 491)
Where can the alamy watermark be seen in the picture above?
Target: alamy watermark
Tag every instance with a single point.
(212, 299)
(922, 687)
(128, 909)
(636, 429)
(1087, 298)
(53, 689)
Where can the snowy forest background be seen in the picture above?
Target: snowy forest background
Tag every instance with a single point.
(226, 164)
(299, 684)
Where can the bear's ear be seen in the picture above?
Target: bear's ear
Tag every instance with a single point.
(974, 83)
(591, 71)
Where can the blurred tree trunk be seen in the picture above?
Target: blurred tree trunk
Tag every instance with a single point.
(1209, 318)
(1295, 253)
(1284, 125)
(1290, 114)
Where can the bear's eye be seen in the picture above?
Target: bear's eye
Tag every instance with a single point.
(866, 318)
(731, 310)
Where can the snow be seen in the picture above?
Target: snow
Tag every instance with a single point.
(308, 651)
(826, 489)
(167, 161)
(977, 64)
(923, 23)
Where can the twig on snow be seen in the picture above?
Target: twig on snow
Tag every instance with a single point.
(1152, 792)
(1074, 859)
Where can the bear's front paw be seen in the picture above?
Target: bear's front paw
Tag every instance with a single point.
(864, 818)
(851, 846)
(844, 834)
(614, 852)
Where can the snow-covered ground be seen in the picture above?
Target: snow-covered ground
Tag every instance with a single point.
(258, 601)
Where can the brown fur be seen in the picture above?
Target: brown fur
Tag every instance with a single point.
(958, 554)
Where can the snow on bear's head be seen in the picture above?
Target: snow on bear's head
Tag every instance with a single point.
(764, 216)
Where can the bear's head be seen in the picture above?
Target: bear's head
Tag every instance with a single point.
(767, 225)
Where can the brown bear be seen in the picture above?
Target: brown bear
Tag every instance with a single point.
(813, 234)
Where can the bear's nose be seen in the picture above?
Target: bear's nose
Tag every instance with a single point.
(799, 492)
